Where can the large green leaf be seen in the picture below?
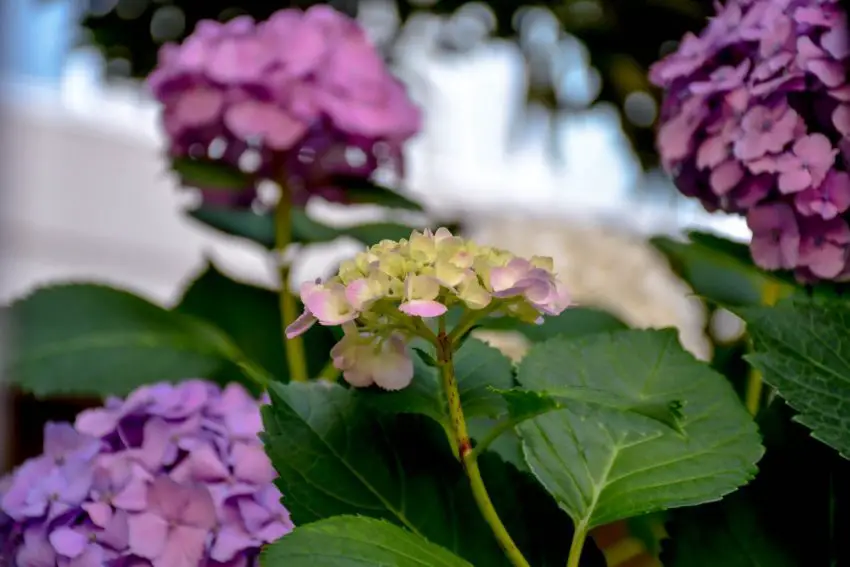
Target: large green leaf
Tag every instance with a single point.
(527, 404)
(479, 368)
(250, 316)
(336, 456)
(573, 322)
(603, 465)
(355, 541)
(802, 350)
(92, 339)
(259, 228)
(720, 270)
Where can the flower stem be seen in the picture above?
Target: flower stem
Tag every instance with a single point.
(577, 546)
(769, 296)
(465, 455)
(295, 359)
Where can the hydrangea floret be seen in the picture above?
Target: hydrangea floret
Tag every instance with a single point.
(382, 296)
(756, 121)
(172, 476)
(298, 99)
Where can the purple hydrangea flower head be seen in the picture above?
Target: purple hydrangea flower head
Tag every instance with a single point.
(171, 476)
(304, 94)
(756, 120)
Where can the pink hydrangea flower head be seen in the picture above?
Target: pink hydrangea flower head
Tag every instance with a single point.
(381, 296)
(301, 93)
(171, 476)
(755, 121)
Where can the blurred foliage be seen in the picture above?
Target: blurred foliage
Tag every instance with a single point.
(616, 34)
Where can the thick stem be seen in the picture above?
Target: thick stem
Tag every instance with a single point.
(463, 446)
(577, 546)
(769, 296)
(295, 359)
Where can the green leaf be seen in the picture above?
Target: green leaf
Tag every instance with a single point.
(336, 456)
(478, 368)
(246, 224)
(259, 228)
(603, 465)
(720, 270)
(801, 349)
(760, 524)
(363, 192)
(208, 174)
(92, 339)
(573, 322)
(354, 541)
(250, 316)
(526, 404)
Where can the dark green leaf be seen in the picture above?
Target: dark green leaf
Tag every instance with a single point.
(527, 404)
(802, 350)
(336, 456)
(478, 368)
(207, 174)
(92, 339)
(759, 525)
(361, 191)
(720, 270)
(603, 465)
(425, 357)
(246, 224)
(355, 541)
(573, 322)
(259, 228)
(250, 316)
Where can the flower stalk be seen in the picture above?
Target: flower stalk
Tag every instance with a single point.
(294, 346)
(465, 454)
(577, 546)
(755, 384)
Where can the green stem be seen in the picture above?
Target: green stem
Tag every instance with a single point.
(288, 307)
(770, 294)
(469, 319)
(463, 445)
(577, 546)
(495, 432)
(329, 372)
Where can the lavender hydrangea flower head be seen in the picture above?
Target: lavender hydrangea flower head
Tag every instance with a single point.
(382, 295)
(173, 476)
(756, 121)
(302, 97)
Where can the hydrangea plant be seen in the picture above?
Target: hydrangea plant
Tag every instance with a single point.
(361, 422)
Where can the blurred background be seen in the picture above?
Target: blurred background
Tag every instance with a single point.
(538, 137)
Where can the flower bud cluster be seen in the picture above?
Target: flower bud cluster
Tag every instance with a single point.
(381, 296)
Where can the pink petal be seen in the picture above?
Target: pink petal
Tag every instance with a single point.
(205, 464)
(99, 512)
(423, 308)
(134, 496)
(147, 534)
(278, 129)
(301, 325)
(712, 152)
(357, 293)
(195, 108)
(93, 556)
(831, 73)
(97, 422)
(841, 119)
(68, 542)
(229, 541)
(725, 177)
(358, 378)
(251, 464)
(237, 60)
(184, 548)
(794, 181)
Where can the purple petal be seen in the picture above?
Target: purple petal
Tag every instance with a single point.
(301, 325)
(68, 542)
